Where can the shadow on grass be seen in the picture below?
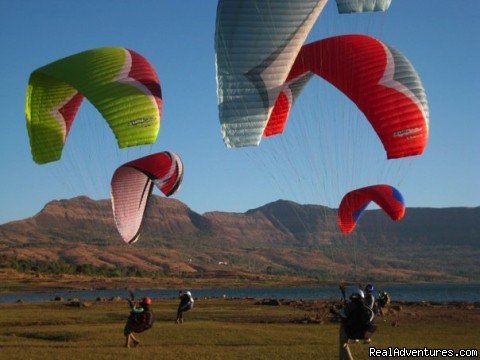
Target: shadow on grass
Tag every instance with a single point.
(34, 323)
(61, 337)
(116, 317)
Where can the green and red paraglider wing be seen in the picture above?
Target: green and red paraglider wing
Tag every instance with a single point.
(120, 83)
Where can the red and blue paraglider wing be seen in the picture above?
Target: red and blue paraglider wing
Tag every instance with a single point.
(355, 202)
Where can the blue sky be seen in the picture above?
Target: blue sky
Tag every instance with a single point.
(310, 164)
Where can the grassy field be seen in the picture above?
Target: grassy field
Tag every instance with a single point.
(220, 329)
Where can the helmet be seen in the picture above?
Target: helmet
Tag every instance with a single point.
(369, 288)
(147, 301)
(357, 294)
(189, 293)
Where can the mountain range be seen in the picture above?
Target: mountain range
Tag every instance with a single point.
(279, 238)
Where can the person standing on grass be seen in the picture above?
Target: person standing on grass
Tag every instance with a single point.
(383, 301)
(186, 303)
(140, 319)
(356, 323)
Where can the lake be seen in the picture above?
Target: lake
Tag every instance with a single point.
(401, 292)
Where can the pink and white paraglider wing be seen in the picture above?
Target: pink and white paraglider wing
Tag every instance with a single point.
(132, 185)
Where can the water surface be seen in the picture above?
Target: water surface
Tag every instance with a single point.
(403, 292)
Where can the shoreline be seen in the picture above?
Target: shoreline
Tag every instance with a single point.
(434, 294)
(178, 283)
(13, 283)
(267, 301)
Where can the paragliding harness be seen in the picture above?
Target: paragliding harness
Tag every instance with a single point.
(358, 320)
(370, 300)
(186, 303)
(140, 318)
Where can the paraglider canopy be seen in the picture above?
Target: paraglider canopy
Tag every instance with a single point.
(256, 43)
(355, 202)
(354, 6)
(132, 184)
(377, 78)
(120, 83)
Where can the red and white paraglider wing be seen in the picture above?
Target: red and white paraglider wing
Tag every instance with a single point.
(377, 78)
(132, 185)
